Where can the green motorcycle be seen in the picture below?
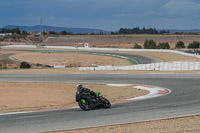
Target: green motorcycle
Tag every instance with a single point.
(86, 101)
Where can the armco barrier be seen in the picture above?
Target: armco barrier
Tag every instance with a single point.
(163, 66)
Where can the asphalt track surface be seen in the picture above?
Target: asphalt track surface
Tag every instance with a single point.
(182, 101)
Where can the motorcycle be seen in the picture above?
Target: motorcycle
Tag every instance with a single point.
(86, 101)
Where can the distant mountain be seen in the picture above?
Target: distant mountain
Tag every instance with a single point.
(56, 29)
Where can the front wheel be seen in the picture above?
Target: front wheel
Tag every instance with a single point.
(84, 104)
(106, 103)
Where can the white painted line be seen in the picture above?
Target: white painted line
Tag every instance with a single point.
(78, 73)
(13, 113)
(161, 73)
(116, 73)
(154, 91)
(75, 107)
(28, 117)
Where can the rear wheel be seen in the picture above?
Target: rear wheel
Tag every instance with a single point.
(84, 104)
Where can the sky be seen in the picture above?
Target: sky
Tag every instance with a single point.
(102, 14)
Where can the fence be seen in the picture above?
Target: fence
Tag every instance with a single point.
(162, 66)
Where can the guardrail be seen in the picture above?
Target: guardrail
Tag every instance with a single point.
(162, 66)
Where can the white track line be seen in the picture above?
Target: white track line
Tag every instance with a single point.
(154, 91)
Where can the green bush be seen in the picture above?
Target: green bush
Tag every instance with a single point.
(180, 44)
(48, 66)
(194, 44)
(25, 65)
(163, 45)
(150, 44)
(136, 46)
(5, 67)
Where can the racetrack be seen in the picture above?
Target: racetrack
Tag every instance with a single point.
(184, 100)
(138, 59)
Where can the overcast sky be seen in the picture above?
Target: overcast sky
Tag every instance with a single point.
(102, 14)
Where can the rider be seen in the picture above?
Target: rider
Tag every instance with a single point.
(81, 89)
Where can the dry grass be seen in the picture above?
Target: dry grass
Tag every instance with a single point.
(69, 59)
(119, 41)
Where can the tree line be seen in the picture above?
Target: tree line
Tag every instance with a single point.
(135, 30)
(14, 31)
(143, 30)
(151, 44)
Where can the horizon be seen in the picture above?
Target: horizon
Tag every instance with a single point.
(106, 15)
(93, 28)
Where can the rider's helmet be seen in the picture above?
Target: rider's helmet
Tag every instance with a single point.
(79, 86)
